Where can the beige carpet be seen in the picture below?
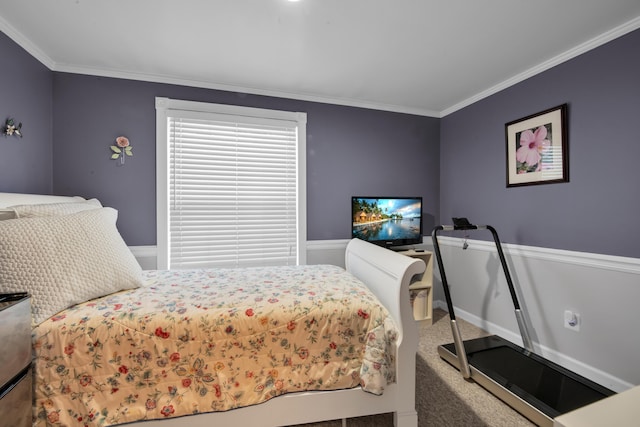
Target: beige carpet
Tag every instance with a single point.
(443, 397)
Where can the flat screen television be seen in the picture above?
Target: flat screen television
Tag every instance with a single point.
(387, 221)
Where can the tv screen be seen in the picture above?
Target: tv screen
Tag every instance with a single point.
(387, 221)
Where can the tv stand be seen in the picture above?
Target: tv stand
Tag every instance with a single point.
(421, 287)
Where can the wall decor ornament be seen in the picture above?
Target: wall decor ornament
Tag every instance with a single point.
(10, 128)
(122, 149)
(537, 148)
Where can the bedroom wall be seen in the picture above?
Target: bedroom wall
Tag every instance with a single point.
(26, 96)
(549, 230)
(570, 246)
(350, 151)
(597, 210)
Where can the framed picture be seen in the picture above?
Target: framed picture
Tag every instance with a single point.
(537, 148)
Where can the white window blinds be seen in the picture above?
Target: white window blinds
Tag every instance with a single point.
(233, 187)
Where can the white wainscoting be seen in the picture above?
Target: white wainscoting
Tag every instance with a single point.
(604, 290)
(146, 256)
(318, 252)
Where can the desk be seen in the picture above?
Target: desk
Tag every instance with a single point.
(619, 410)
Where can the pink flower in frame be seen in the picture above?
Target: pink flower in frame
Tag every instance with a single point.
(532, 144)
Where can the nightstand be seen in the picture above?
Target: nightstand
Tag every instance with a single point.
(15, 359)
(618, 410)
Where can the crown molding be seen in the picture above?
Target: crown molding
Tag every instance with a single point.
(26, 44)
(595, 42)
(37, 53)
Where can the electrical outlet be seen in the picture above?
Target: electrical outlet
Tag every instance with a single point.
(572, 320)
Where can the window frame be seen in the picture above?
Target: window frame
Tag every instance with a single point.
(166, 108)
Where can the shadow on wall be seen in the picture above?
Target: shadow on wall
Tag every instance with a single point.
(428, 223)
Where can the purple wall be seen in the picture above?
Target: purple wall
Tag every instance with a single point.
(26, 96)
(598, 210)
(350, 151)
(457, 164)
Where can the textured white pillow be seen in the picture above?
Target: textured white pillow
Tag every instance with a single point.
(51, 209)
(65, 260)
(7, 214)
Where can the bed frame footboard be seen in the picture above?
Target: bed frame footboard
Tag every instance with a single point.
(388, 275)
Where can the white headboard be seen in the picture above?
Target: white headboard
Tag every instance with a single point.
(10, 199)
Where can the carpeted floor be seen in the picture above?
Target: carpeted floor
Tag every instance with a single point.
(443, 397)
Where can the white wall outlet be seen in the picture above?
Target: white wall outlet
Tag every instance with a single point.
(572, 320)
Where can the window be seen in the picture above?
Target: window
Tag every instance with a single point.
(230, 185)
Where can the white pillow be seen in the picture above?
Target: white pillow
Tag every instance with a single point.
(7, 214)
(51, 209)
(65, 260)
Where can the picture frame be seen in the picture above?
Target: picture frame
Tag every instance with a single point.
(537, 148)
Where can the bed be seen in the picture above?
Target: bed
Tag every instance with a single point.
(164, 342)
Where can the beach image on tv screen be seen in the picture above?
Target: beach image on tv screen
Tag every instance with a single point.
(386, 219)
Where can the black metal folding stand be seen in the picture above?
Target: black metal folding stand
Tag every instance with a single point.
(534, 386)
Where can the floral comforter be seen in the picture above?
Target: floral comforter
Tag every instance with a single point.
(210, 340)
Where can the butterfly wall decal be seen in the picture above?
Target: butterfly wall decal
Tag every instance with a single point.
(10, 128)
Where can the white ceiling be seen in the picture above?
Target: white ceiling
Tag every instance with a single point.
(428, 57)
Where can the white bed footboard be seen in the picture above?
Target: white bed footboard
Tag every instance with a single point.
(388, 275)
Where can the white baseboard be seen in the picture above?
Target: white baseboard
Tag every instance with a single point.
(594, 374)
(616, 384)
(602, 287)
